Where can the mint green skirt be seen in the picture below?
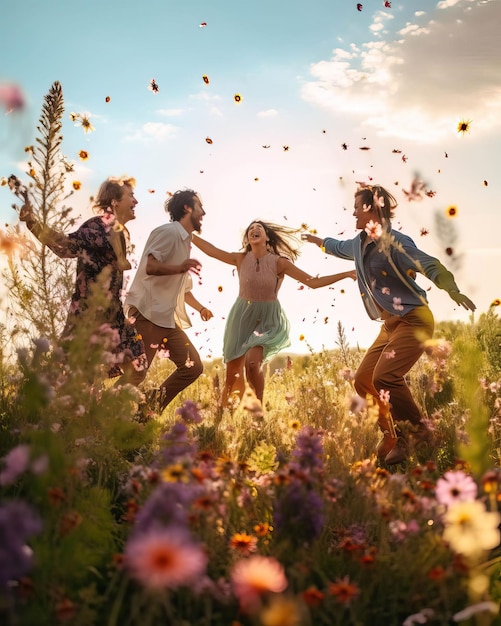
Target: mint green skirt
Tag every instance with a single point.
(251, 324)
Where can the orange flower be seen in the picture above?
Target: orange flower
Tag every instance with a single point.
(76, 185)
(237, 97)
(83, 154)
(262, 529)
(69, 522)
(56, 495)
(312, 596)
(243, 543)
(208, 140)
(343, 590)
(452, 211)
(301, 337)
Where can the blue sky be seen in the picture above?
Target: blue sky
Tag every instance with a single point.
(312, 76)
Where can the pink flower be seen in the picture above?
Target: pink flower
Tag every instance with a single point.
(397, 304)
(374, 229)
(455, 487)
(255, 576)
(164, 558)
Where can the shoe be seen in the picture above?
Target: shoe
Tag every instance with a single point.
(399, 454)
(386, 445)
(389, 439)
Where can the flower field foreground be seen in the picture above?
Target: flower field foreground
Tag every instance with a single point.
(274, 516)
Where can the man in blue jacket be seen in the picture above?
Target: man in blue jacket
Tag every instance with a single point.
(386, 262)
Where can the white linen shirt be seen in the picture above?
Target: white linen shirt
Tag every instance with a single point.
(160, 299)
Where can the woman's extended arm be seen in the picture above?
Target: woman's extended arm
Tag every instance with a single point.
(287, 267)
(216, 253)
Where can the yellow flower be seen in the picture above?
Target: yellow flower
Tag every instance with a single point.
(464, 126)
(301, 337)
(452, 211)
(237, 97)
(496, 302)
(76, 185)
(83, 154)
(86, 125)
(262, 529)
(470, 529)
(243, 543)
(175, 474)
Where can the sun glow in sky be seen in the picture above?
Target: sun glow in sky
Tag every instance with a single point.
(329, 95)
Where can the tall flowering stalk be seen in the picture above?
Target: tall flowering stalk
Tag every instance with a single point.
(39, 284)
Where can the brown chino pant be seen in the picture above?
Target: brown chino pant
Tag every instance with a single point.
(181, 352)
(398, 346)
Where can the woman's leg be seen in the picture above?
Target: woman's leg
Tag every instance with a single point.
(254, 370)
(235, 380)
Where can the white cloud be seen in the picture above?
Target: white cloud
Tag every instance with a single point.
(421, 84)
(156, 131)
(268, 113)
(170, 112)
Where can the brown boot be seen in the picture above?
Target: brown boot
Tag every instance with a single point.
(389, 439)
(399, 454)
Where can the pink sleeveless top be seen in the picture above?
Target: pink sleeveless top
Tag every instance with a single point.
(258, 278)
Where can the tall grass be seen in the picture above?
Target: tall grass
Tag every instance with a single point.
(296, 483)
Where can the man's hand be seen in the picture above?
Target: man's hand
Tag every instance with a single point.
(26, 212)
(312, 239)
(462, 300)
(205, 314)
(191, 265)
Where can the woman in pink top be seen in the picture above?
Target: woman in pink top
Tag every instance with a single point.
(257, 327)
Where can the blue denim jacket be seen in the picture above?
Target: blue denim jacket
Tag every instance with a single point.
(386, 270)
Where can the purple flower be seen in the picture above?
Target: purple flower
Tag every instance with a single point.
(298, 513)
(309, 449)
(189, 412)
(18, 521)
(15, 462)
(177, 444)
(167, 506)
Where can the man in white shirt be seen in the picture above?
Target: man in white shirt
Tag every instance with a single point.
(159, 291)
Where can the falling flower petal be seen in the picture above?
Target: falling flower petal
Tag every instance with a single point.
(153, 86)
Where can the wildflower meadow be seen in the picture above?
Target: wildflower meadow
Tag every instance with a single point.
(273, 515)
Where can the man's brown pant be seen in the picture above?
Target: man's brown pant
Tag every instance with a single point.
(398, 346)
(181, 352)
